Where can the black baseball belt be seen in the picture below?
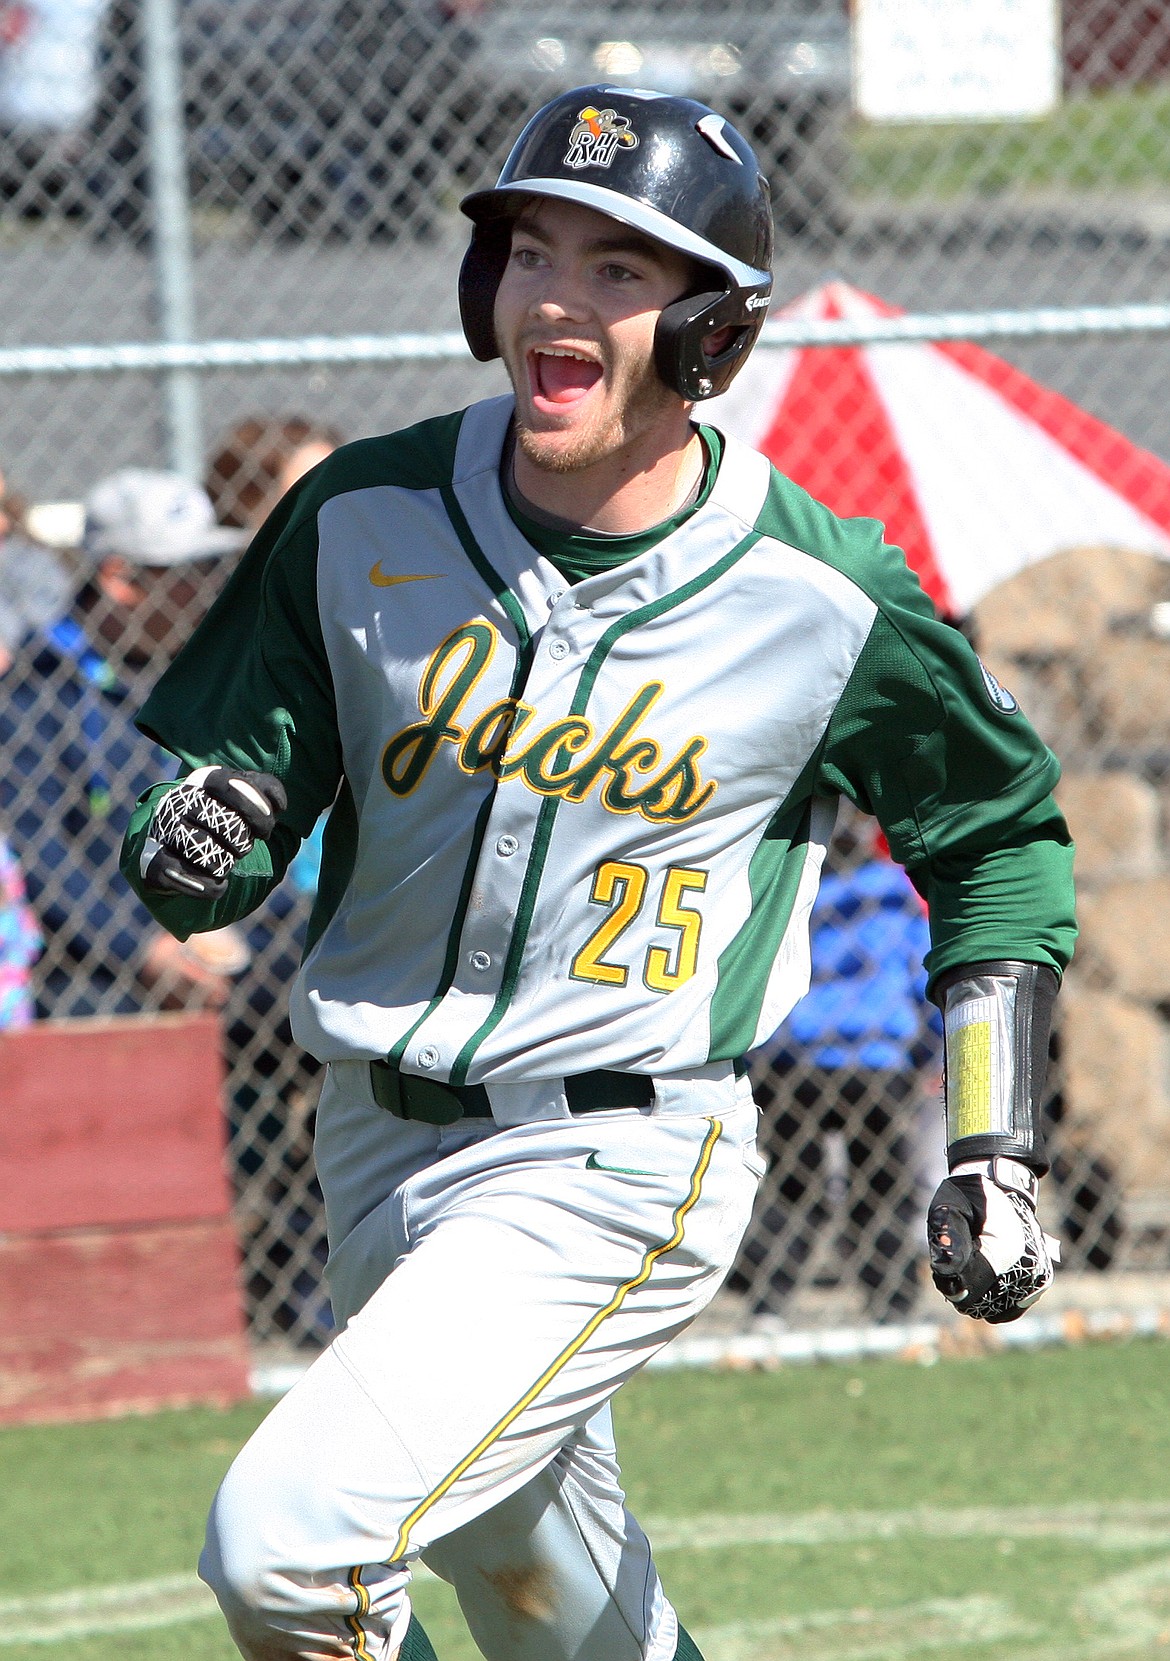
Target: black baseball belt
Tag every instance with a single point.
(409, 1097)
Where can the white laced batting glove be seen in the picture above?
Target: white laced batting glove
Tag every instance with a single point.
(988, 1254)
(204, 825)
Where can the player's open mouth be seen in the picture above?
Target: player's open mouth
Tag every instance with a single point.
(559, 378)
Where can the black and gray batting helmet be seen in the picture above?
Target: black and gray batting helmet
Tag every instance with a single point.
(668, 167)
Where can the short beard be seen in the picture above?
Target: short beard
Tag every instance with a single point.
(639, 410)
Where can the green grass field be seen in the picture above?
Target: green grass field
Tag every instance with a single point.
(1099, 142)
(1012, 1506)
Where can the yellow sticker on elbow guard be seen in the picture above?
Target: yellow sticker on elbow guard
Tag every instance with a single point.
(969, 1080)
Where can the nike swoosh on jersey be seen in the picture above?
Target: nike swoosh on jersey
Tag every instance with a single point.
(594, 1164)
(380, 580)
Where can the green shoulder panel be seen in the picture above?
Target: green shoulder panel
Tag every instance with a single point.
(253, 688)
(263, 633)
(927, 741)
(745, 965)
(852, 546)
(421, 457)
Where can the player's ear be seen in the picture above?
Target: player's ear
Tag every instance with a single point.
(718, 341)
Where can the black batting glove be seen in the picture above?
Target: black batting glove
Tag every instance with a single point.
(202, 826)
(988, 1254)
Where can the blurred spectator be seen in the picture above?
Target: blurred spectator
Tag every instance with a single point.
(34, 583)
(71, 764)
(20, 945)
(841, 1100)
(271, 1112)
(72, 761)
(258, 460)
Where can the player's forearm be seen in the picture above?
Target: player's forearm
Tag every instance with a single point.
(989, 1254)
(997, 1017)
(251, 881)
(1013, 902)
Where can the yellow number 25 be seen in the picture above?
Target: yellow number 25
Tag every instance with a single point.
(621, 887)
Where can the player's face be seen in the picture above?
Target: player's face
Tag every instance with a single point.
(575, 317)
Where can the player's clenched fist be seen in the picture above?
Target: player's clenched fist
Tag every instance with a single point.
(204, 825)
(988, 1254)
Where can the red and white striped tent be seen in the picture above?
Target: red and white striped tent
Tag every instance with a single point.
(975, 470)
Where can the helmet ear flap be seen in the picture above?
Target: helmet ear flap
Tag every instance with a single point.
(679, 335)
(479, 278)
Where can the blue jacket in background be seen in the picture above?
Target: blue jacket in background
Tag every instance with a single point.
(866, 1007)
(72, 763)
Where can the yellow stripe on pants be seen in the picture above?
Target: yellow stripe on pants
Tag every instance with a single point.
(571, 1349)
(354, 1621)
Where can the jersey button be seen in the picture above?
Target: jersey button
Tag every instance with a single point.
(506, 846)
(480, 960)
(559, 649)
(555, 598)
(428, 1057)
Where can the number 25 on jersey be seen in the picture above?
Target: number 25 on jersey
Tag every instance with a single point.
(621, 888)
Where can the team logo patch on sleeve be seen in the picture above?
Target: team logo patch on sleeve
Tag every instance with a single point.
(594, 140)
(999, 695)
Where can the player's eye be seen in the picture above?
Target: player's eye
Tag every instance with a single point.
(614, 272)
(528, 259)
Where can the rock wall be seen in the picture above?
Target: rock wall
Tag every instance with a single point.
(1082, 641)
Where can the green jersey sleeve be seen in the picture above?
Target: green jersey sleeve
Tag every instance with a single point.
(251, 689)
(926, 739)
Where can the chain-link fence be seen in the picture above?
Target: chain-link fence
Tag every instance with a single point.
(325, 147)
(328, 145)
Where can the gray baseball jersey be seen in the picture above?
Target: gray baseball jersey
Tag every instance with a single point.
(581, 825)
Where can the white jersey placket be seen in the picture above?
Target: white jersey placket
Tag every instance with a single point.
(505, 860)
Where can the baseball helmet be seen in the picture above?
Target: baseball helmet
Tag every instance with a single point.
(670, 168)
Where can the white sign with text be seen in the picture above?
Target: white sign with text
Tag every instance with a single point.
(956, 60)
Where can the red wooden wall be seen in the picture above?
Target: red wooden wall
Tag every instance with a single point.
(117, 1255)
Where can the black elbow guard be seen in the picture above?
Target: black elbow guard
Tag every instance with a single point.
(997, 1018)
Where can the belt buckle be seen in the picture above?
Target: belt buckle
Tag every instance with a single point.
(417, 1100)
(428, 1101)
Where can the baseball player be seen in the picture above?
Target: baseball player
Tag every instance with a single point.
(580, 682)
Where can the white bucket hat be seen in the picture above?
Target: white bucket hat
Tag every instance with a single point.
(154, 518)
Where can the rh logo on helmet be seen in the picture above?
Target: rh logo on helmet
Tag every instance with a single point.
(595, 139)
